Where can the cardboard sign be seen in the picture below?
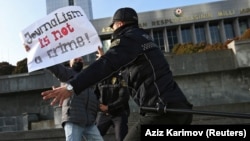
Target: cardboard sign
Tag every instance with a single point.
(62, 35)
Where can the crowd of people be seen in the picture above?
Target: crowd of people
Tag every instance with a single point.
(133, 67)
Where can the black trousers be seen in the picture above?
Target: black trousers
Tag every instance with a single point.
(120, 123)
(134, 133)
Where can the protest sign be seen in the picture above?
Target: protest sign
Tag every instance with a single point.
(62, 35)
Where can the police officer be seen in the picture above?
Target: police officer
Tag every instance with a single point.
(114, 107)
(148, 75)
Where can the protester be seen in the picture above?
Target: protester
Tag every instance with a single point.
(78, 112)
(148, 75)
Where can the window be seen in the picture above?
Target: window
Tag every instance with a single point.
(215, 34)
(159, 39)
(186, 35)
(172, 38)
(243, 25)
(200, 33)
(106, 44)
(90, 57)
(228, 25)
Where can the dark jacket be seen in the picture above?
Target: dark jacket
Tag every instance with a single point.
(80, 109)
(148, 74)
(114, 93)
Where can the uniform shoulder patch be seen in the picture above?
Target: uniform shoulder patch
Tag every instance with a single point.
(115, 43)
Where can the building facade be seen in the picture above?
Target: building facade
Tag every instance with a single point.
(210, 23)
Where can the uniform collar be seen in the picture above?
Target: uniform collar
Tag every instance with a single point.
(120, 31)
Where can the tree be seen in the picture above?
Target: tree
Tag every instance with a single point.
(21, 67)
(6, 68)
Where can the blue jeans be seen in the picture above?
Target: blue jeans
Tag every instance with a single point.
(74, 132)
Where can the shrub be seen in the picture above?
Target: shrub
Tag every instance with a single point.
(21, 67)
(245, 35)
(6, 68)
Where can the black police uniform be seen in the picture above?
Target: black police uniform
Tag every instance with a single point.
(149, 77)
(114, 93)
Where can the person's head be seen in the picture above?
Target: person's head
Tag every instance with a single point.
(124, 16)
(76, 64)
